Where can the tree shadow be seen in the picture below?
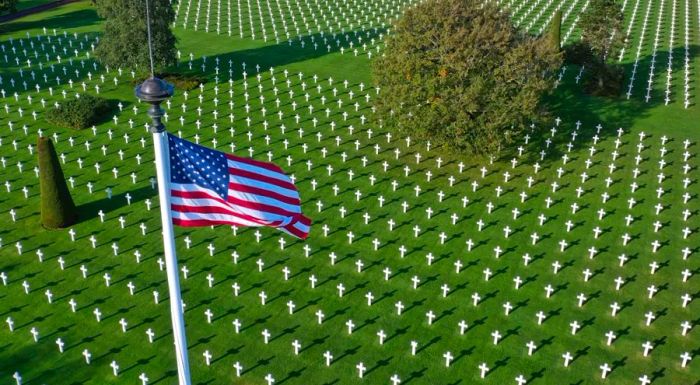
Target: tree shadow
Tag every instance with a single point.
(63, 21)
(90, 210)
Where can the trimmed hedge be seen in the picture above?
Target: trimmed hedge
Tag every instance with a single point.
(57, 207)
(79, 113)
(182, 82)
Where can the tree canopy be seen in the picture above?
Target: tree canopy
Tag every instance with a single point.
(602, 39)
(125, 39)
(458, 73)
(9, 6)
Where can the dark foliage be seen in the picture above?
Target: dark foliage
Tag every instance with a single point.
(79, 113)
(458, 73)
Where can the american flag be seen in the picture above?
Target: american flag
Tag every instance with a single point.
(209, 187)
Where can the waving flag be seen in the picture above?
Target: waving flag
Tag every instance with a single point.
(210, 187)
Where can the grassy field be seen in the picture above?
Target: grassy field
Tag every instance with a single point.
(364, 162)
(24, 4)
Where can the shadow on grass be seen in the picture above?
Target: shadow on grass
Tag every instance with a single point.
(572, 104)
(90, 210)
(79, 18)
(273, 55)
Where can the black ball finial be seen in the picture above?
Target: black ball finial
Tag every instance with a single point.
(154, 90)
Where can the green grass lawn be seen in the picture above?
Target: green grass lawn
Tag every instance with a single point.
(24, 4)
(41, 362)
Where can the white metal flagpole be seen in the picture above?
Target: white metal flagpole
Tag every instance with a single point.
(154, 91)
(160, 141)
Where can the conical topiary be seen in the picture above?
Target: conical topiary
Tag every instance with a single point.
(554, 31)
(57, 207)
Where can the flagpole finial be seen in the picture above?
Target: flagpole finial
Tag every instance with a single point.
(154, 91)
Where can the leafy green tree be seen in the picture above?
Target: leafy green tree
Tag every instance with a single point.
(554, 31)
(602, 39)
(125, 39)
(458, 73)
(57, 207)
(8, 6)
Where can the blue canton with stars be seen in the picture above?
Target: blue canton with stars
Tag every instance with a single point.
(192, 163)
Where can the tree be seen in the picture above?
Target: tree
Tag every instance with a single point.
(9, 6)
(125, 39)
(602, 38)
(458, 73)
(57, 207)
(554, 31)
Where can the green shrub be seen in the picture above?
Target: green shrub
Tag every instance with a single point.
(182, 82)
(79, 113)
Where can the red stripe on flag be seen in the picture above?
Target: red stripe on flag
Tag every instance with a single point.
(253, 162)
(291, 227)
(203, 222)
(220, 210)
(233, 200)
(264, 192)
(260, 206)
(261, 177)
(296, 232)
(304, 220)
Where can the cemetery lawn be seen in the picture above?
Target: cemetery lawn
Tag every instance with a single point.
(357, 166)
(24, 4)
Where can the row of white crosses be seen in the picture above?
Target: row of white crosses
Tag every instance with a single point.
(535, 19)
(263, 300)
(564, 18)
(200, 99)
(73, 182)
(622, 10)
(640, 46)
(656, 41)
(521, 16)
(572, 27)
(551, 14)
(628, 29)
(133, 175)
(271, 113)
(209, 316)
(533, 12)
(368, 296)
(687, 56)
(430, 316)
(671, 43)
(48, 61)
(106, 277)
(40, 44)
(329, 18)
(73, 305)
(661, 24)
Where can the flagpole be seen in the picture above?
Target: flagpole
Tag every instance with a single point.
(154, 91)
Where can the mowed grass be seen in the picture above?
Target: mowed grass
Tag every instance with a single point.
(24, 4)
(42, 363)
